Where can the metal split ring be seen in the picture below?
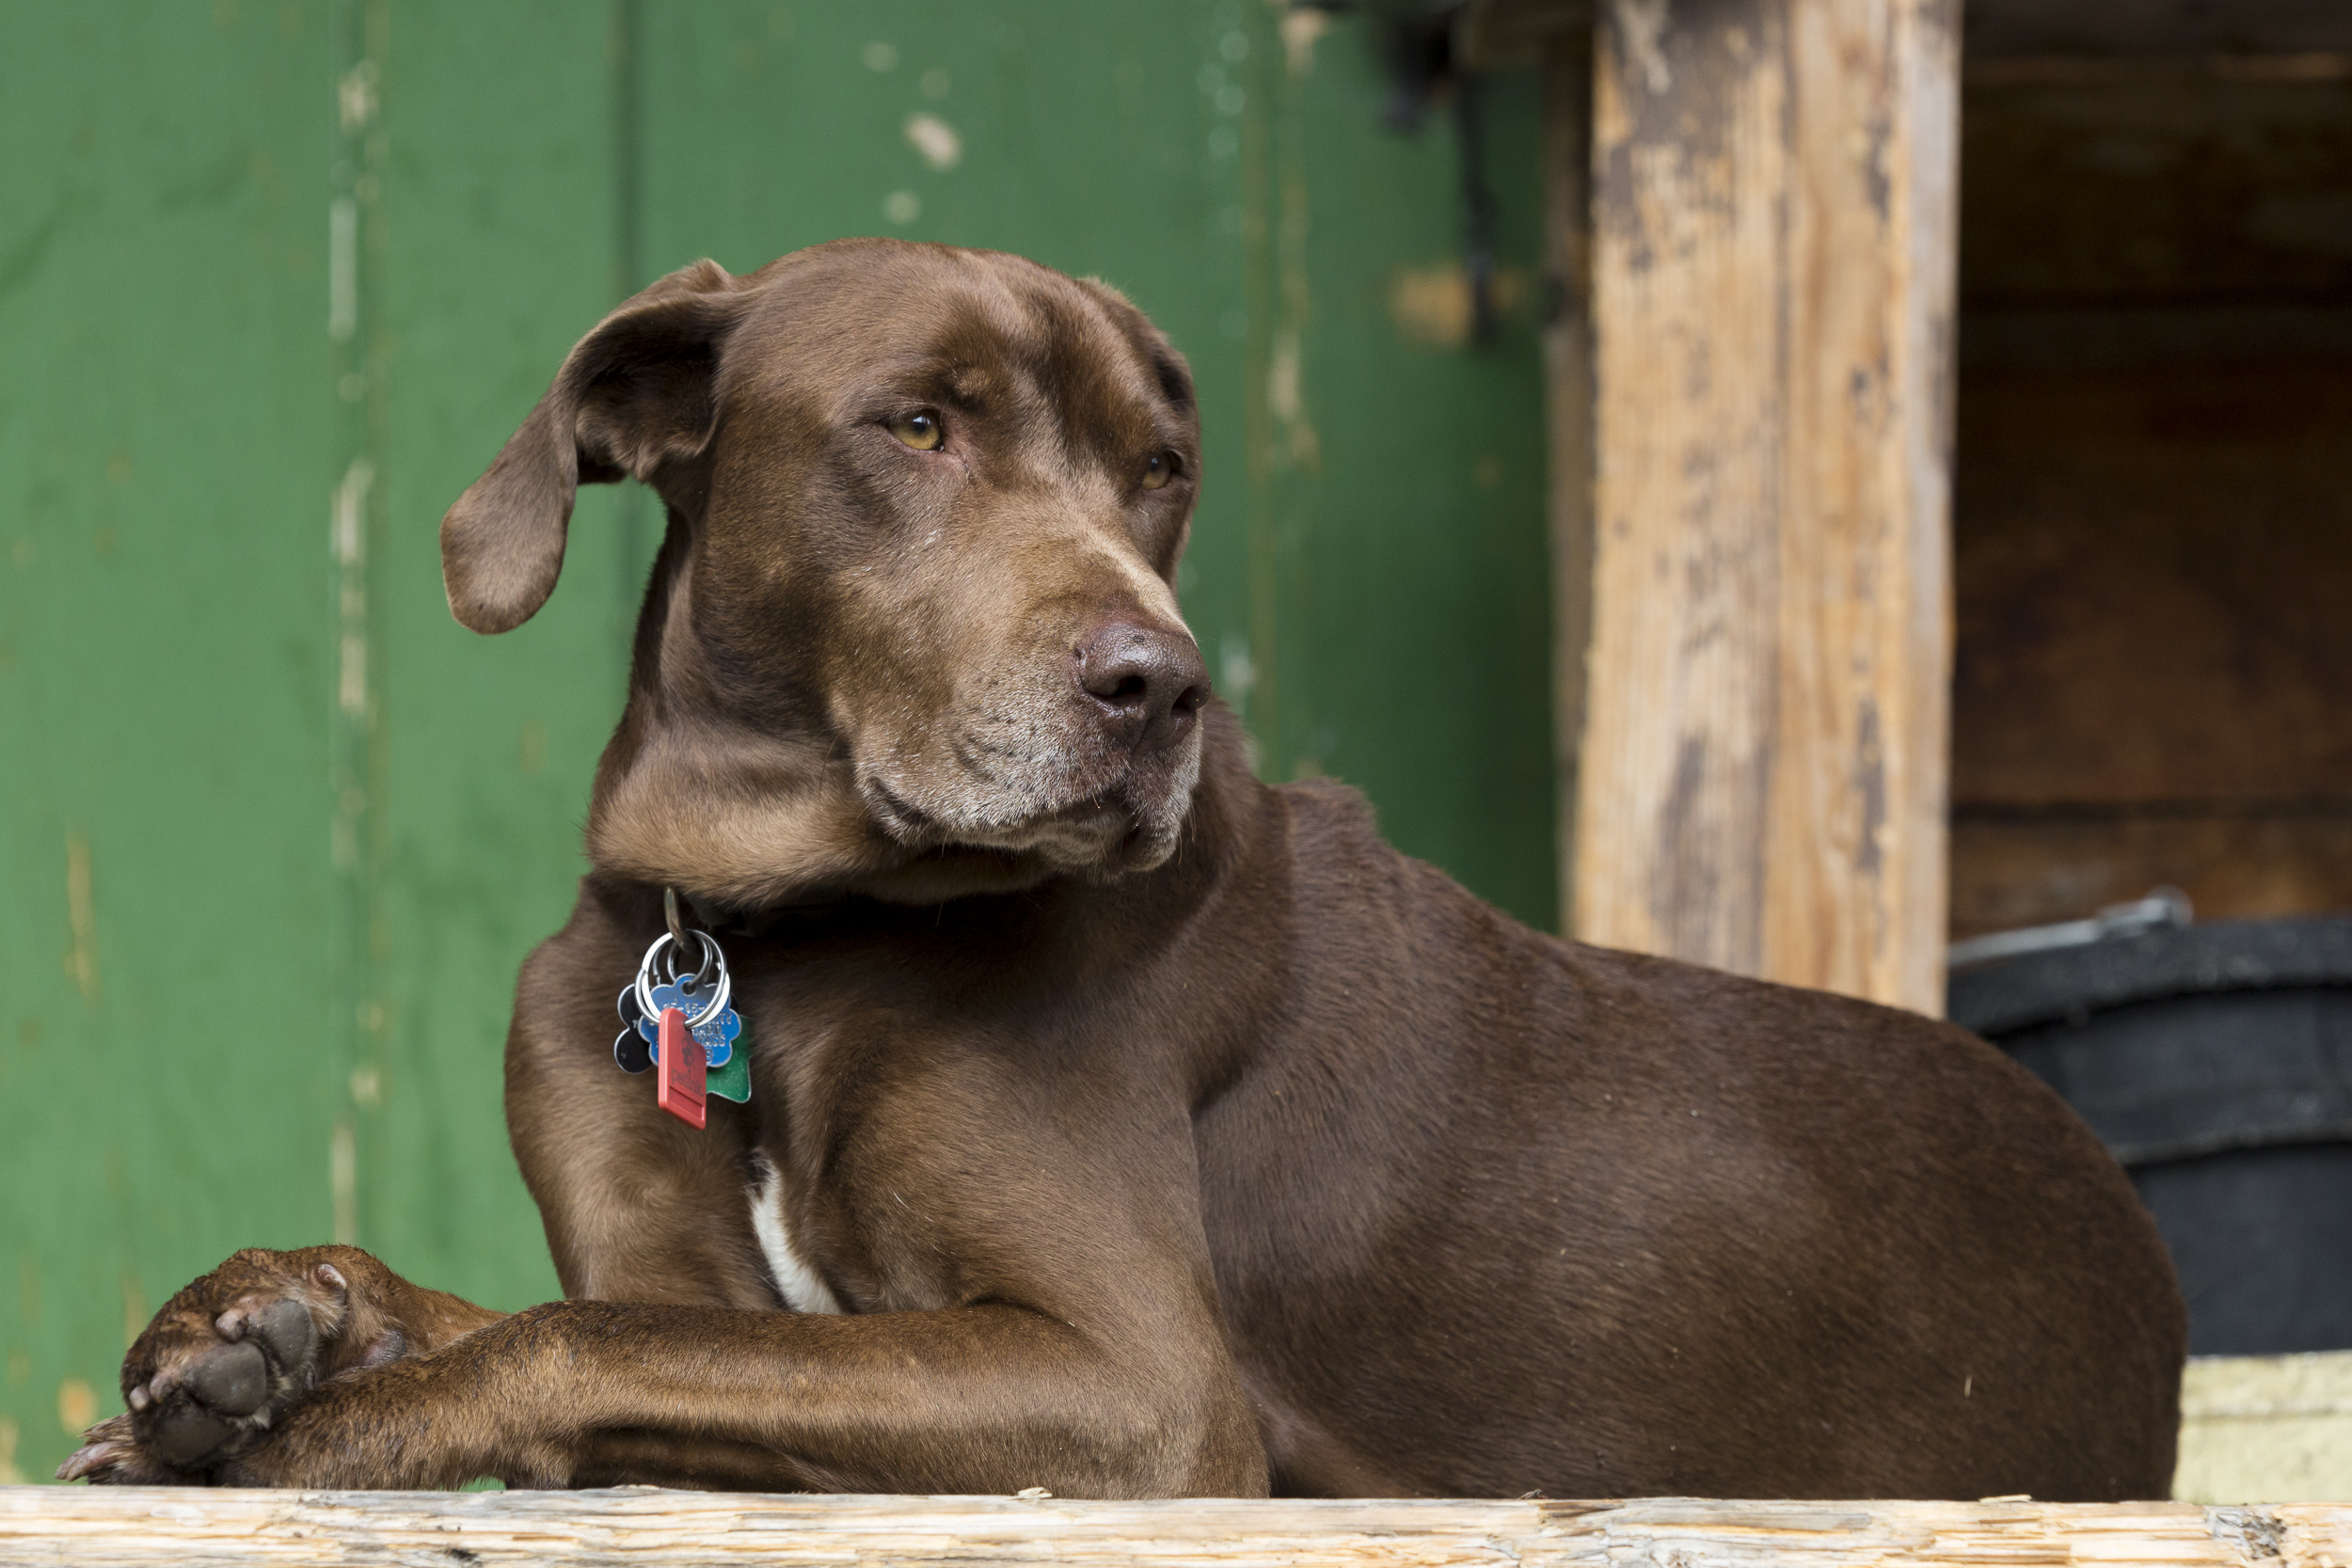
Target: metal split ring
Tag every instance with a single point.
(674, 944)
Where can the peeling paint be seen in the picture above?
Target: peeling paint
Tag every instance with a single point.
(1433, 306)
(342, 1183)
(81, 963)
(1282, 388)
(355, 96)
(1301, 27)
(342, 269)
(1286, 396)
(936, 140)
(355, 760)
(1235, 674)
(350, 529)
(77, 1407)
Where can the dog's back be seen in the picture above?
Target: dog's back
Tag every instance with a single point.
(1492, 1211)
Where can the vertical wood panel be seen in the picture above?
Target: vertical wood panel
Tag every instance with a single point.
(1762, 772)
(167, 671)
(500, 205)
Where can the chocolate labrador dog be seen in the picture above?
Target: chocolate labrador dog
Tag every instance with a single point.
(1116, 1123)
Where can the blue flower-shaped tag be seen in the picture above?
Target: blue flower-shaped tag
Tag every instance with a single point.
(717, 1035)
(639, 1045)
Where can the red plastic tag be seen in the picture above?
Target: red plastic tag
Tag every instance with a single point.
(682, 1069)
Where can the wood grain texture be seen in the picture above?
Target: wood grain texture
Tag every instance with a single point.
(1762, 766)
(135, 1527)
(2153, 573)
(2031, 870)
(2157, 183)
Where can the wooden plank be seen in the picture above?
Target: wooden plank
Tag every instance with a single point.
(1762, 768)
(2152, 578)
(2082, 28)
(2031, 868)
(2194, 184)
(134, 1526)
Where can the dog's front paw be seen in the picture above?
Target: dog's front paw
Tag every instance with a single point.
(222, 1362)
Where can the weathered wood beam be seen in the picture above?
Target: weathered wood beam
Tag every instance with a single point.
(1762, 764)
(139, 1527)
(2082, 28)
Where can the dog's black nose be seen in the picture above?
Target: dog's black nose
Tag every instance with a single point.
(1148, 684)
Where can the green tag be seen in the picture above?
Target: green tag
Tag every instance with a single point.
(733, 1081)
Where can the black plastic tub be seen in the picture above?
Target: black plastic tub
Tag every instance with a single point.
(2215, 1061)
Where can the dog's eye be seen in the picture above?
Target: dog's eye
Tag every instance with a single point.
(1161, 468)
(920, 430)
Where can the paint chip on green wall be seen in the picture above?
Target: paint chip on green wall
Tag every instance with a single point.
(77, 1407)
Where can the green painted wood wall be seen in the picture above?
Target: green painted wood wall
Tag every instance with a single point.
(277, 278)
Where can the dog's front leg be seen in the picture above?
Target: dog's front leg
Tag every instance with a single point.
(975, 1399)
(230, 1355)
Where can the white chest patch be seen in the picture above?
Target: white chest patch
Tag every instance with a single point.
(795, 1281)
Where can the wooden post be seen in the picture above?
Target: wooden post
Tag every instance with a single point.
(1763, 765)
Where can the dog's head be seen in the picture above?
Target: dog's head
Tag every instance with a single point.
(914, 628)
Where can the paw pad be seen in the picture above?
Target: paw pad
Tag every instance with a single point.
(284, 1330)
(232, 1380)
(187, 1433)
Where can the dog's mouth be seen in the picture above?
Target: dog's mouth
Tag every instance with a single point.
(901, 817)
(1104, 819)
(1128, 825)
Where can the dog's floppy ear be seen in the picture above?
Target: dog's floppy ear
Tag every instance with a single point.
(639, 390)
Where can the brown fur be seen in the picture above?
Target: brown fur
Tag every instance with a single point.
(1160, 1133)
